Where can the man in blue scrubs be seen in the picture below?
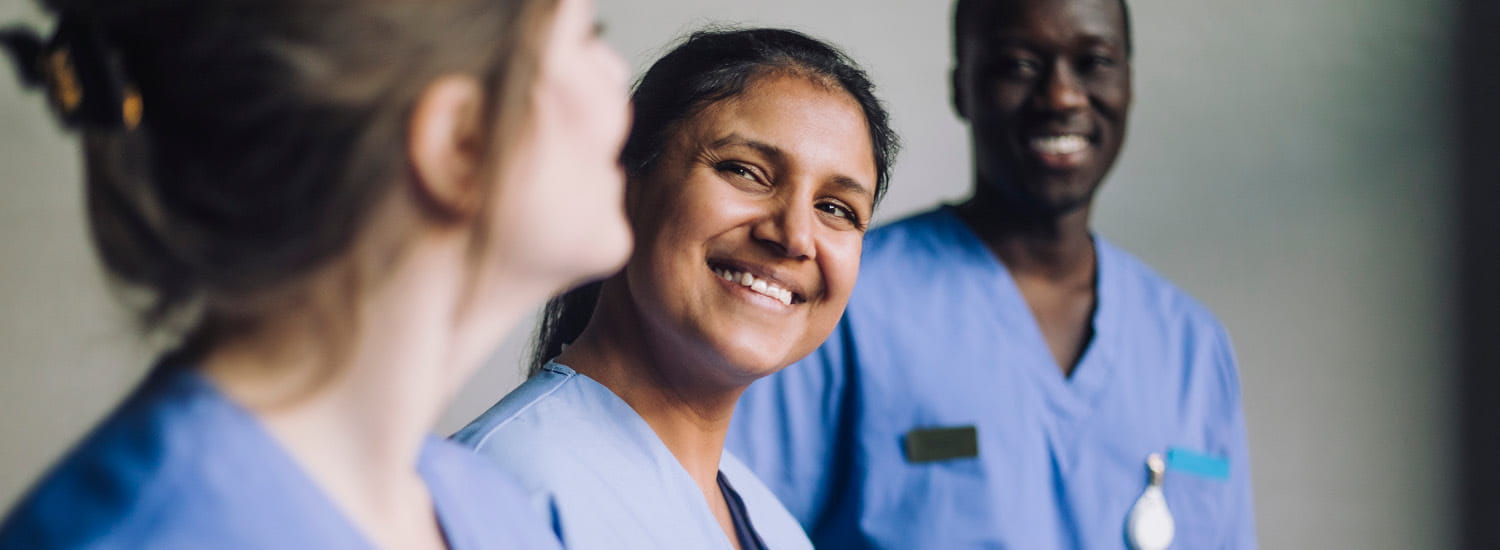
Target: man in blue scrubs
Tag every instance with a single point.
(1002, 373)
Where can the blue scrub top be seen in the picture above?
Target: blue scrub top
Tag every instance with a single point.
(938, 335)
(612, 483)
(179, 465)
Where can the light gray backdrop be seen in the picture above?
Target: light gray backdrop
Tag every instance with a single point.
(1288, 163)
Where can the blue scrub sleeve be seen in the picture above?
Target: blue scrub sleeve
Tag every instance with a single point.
(1241, 512)
(793, 429)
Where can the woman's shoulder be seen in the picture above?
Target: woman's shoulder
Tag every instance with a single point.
(176, 464)
(480, 505)
(548, 400)
(115, 479)
(552, 426)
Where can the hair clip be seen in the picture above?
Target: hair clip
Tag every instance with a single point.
(131, 108)
(62, 81)
(84, 79)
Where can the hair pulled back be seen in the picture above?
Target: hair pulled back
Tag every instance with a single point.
(233, 147)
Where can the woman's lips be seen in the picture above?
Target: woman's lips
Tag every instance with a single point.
(756, 285)
(759, 280)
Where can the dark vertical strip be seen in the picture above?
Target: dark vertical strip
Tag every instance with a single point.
(1478, 124)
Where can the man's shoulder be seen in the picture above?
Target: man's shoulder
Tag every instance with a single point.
(1140, 289)
(932, 243)
(928, 231)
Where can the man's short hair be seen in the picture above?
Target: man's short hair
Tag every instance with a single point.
(967, 14)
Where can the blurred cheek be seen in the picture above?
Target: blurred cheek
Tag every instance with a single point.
(839, 261)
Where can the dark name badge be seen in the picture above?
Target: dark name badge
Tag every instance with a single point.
(930, 444)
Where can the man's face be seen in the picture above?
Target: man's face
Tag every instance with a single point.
(1045, 87)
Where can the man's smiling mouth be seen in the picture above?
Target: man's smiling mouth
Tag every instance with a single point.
(1063, 151)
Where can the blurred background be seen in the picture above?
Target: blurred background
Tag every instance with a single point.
(1292, 163)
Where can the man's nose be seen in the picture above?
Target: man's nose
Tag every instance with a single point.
(1062, 91)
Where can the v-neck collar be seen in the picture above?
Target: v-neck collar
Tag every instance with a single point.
(631, 422)
(289, 464)
(1072, 397)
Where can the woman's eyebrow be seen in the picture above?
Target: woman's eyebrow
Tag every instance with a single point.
(851, 185)
(736, 140)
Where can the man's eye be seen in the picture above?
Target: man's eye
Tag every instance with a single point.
(1017, 67)
(1094, 62)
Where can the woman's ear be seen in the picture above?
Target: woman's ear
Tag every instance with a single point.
(445, 144)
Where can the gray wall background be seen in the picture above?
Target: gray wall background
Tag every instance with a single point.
(1288, 163)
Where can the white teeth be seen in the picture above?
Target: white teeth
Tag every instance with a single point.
(1060, 145)
(759, 286)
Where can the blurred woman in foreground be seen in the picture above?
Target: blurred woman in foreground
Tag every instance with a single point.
(345, 204)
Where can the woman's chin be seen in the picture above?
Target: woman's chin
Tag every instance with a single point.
(753, 362)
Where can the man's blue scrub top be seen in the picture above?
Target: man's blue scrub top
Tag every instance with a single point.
(179, 465)
(612, 482)
(938, 335)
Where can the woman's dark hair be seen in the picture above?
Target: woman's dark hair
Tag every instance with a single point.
(233, 147)
(707, 67)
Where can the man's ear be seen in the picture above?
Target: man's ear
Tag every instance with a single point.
(956, 92)
(444, 142)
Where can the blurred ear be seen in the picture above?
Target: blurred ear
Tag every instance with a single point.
(444, 141)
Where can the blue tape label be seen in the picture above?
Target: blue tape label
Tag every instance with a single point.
(1199, 464)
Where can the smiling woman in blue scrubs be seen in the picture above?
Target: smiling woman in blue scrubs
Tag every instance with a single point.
(347, 202)
(1005, 377)
(754, 165)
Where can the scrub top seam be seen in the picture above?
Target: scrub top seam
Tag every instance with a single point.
(527, 407)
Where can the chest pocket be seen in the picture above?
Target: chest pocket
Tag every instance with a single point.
(1197, 505)
(931, 492)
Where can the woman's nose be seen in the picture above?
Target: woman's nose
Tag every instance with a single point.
(787, 228)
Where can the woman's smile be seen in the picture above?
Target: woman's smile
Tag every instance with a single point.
(757, 283)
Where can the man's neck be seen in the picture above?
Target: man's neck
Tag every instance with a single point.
(1052, 260)
(1056, 247)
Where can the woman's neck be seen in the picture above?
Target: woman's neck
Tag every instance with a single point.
(352, 395)
(662, 382)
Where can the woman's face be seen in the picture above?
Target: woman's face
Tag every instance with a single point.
(559, 211)
(750, 225)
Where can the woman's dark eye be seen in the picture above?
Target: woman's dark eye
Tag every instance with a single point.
(839, 210)
(738, 170)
